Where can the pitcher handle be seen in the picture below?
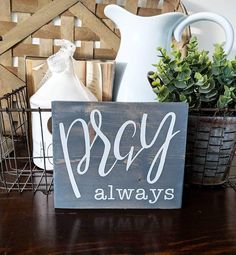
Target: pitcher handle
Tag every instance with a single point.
(209, 16)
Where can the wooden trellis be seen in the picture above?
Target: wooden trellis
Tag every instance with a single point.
(34, 19)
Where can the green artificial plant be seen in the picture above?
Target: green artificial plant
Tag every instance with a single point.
(195, 78)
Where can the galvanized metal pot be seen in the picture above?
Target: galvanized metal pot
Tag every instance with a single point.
(210, 149)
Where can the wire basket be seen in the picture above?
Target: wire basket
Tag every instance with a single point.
(210, 148)
(18, 172)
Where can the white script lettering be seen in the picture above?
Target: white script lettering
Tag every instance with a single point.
(153, 173)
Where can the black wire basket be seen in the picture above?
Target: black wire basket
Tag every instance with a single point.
(18, 172)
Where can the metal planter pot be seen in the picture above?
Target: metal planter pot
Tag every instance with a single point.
(210, 149)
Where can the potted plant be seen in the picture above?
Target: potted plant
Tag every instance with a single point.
(209, 87)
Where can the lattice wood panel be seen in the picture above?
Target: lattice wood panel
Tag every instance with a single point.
(83, 22)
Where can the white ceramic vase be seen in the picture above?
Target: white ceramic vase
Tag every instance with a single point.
(140, 37)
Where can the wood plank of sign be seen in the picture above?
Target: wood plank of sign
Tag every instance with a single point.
(118, 155)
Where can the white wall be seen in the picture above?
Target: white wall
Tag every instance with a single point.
(209, 33)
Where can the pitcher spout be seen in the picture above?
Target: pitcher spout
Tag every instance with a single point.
(117, 14)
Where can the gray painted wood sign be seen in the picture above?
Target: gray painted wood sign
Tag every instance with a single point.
(118, 155)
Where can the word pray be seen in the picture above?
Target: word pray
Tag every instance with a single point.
(153, 173)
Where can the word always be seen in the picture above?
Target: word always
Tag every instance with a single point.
(151, 195)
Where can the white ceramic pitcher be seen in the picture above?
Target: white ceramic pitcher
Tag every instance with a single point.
(140, 37)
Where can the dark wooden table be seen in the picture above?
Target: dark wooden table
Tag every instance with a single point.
(205, 225)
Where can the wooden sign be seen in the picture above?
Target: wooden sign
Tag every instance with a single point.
(118, 155)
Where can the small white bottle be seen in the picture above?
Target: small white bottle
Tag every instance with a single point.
(62, 84)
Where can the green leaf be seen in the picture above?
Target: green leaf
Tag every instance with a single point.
(180, 84)
(206, 88)
(223, 102)
(156, 83)
(182, 98)
(213, 93)
(206, 99)
(195, 78)
(227, 91)
(198, 76)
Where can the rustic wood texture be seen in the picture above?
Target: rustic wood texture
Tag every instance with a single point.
(205, 225)
(95, 189)
(34, 20)
(5, 17)
(102, 80)
(8, 79)
(30, 25)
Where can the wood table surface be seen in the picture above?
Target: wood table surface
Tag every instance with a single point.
(206, 224)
